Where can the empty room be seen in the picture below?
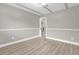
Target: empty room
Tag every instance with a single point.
(39, 28)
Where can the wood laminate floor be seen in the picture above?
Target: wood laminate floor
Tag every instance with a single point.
(40, 46)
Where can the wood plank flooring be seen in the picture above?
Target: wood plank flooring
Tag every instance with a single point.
(40, 46)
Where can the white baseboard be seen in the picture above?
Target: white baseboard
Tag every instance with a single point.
(65, 41)
(18, 41)
(19, 29)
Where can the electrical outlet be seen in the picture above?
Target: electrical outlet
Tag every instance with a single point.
(12, 37)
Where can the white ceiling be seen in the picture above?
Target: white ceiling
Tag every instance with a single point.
(36, 8)
(40, 10)
(56, 6)
(73, 4)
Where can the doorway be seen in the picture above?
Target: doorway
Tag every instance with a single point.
(43, 27)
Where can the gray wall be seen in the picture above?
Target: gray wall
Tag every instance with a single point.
(66, 19)
(14, 18)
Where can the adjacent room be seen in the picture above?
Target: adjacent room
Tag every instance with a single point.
(39, 28)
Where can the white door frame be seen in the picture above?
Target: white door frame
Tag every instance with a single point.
(43, 26)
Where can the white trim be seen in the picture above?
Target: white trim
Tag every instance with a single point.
(62, 29)
(65, 41)
(19, 29)
(18, 41)
(22, 40)
(40, 26)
